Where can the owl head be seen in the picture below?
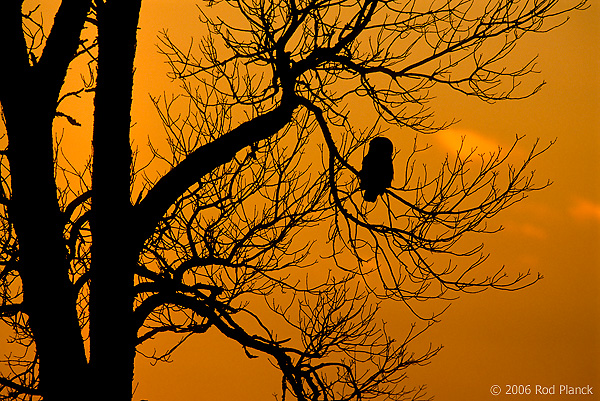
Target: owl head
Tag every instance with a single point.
(381, 146)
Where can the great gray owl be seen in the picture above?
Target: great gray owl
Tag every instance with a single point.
(377, 168)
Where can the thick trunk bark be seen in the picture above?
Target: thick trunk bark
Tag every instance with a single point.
(29, 95)
(114, 255)
(49, 298)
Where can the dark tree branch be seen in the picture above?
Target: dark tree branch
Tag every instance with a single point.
(62, 44)
(204, 160)
(18, 387)
(10, 310)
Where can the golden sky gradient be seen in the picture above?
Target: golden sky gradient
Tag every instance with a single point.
(548, 334)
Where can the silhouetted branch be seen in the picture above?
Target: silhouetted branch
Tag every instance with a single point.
(17, 387)
(61, 44)
(204, 160)
(10, 310)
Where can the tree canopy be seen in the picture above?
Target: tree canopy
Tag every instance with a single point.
(264, 157)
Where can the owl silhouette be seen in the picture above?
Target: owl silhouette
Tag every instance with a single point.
(377, 169)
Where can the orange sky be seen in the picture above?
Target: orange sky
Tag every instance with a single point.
(548, 334)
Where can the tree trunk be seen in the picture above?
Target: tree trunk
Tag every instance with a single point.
(114, 255)
(48, 296)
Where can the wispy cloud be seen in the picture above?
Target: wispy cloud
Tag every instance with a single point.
(585, 209)
(525, 229)
(452, 139)
(533, 231)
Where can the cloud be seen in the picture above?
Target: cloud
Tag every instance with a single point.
(533, 231)
(452, 139)
(529, 230)
(585, 209)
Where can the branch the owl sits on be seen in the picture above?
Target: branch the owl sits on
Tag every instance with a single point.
(377, 168)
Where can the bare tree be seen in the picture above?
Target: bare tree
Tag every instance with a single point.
(108, 258)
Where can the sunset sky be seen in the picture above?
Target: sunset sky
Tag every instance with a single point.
(548, 334)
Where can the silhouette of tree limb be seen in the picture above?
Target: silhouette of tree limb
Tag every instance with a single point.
(18, 388)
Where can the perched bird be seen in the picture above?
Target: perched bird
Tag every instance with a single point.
(377, 168)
